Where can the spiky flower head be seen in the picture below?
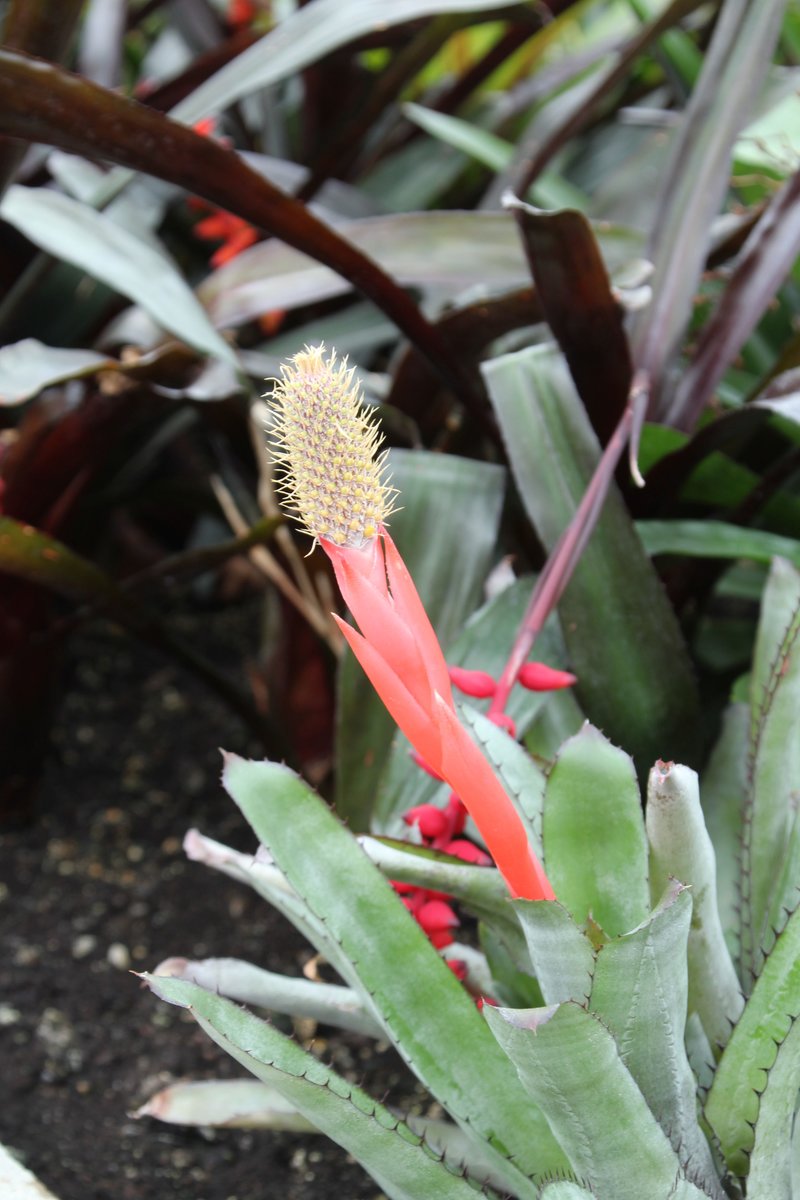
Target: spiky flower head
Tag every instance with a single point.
(333, 475)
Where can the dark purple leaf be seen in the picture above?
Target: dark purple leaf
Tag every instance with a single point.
(586, 319)
(37, 27)
(468, 331)
(532, 157)
(763, 263)
(40, 102)
(696, 176)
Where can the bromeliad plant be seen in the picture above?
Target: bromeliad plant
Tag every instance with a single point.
(630, 1050)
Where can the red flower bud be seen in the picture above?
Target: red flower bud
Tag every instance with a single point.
(435, 917)
(430, 820)
(403, 889)
(441, 938)
(485, 1000)
(473, 683)
(458, 967)
(537, 677)
(457, 812)
(468, 852)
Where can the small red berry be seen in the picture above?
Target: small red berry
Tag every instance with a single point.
(468, 852)
(537, 677)
(430, 820)
(473, 683)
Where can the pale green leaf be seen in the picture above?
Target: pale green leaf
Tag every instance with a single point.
(595, 851)
(770, 1174)
(774, 753)
(715, 539)
(28, 367)
(394, 1156)
(571, 1066)
(80, 235)
(562, 957)
(640, 989)
(680, 848)
(425, 1012)
(743, 1071)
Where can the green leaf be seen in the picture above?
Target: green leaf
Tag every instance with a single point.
(595, 850)
(225, 1104)
(427, 533)
(269, 882)
(395, 1157)
(489, 149)
(80, 235)
(328, 1003)
(620, 630)
(304, 37)
(639, 990)
(510, 967)
(28, 367)
(774, 753)
(743, 1071)
(30, 554)
(564, 1189)
(448, 252)
(571, 1066)
(723, 791)
(696, 171)
(680, 848)
(715, 539)
(492, 151)
(561, 954)
(426, 1013)
(770, 1173)
(556, 721)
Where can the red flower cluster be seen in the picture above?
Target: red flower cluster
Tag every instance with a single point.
(234, 233)
(439, 829)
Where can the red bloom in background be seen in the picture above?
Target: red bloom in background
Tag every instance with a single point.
(234, 233)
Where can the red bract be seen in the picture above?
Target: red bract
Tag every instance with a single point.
(400, 654)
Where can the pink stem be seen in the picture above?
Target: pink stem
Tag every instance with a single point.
(564, 557)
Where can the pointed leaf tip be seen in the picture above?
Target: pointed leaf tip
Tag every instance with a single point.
(526, 1018)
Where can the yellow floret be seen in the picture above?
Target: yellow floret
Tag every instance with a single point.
(327, 446)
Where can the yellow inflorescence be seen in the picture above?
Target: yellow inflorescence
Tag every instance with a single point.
(326, 444)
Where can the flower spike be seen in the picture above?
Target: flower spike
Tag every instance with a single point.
(333, 477)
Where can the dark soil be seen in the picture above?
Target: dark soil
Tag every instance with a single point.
(99, 886)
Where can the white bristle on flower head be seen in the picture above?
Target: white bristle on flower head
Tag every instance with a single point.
(327, 446)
